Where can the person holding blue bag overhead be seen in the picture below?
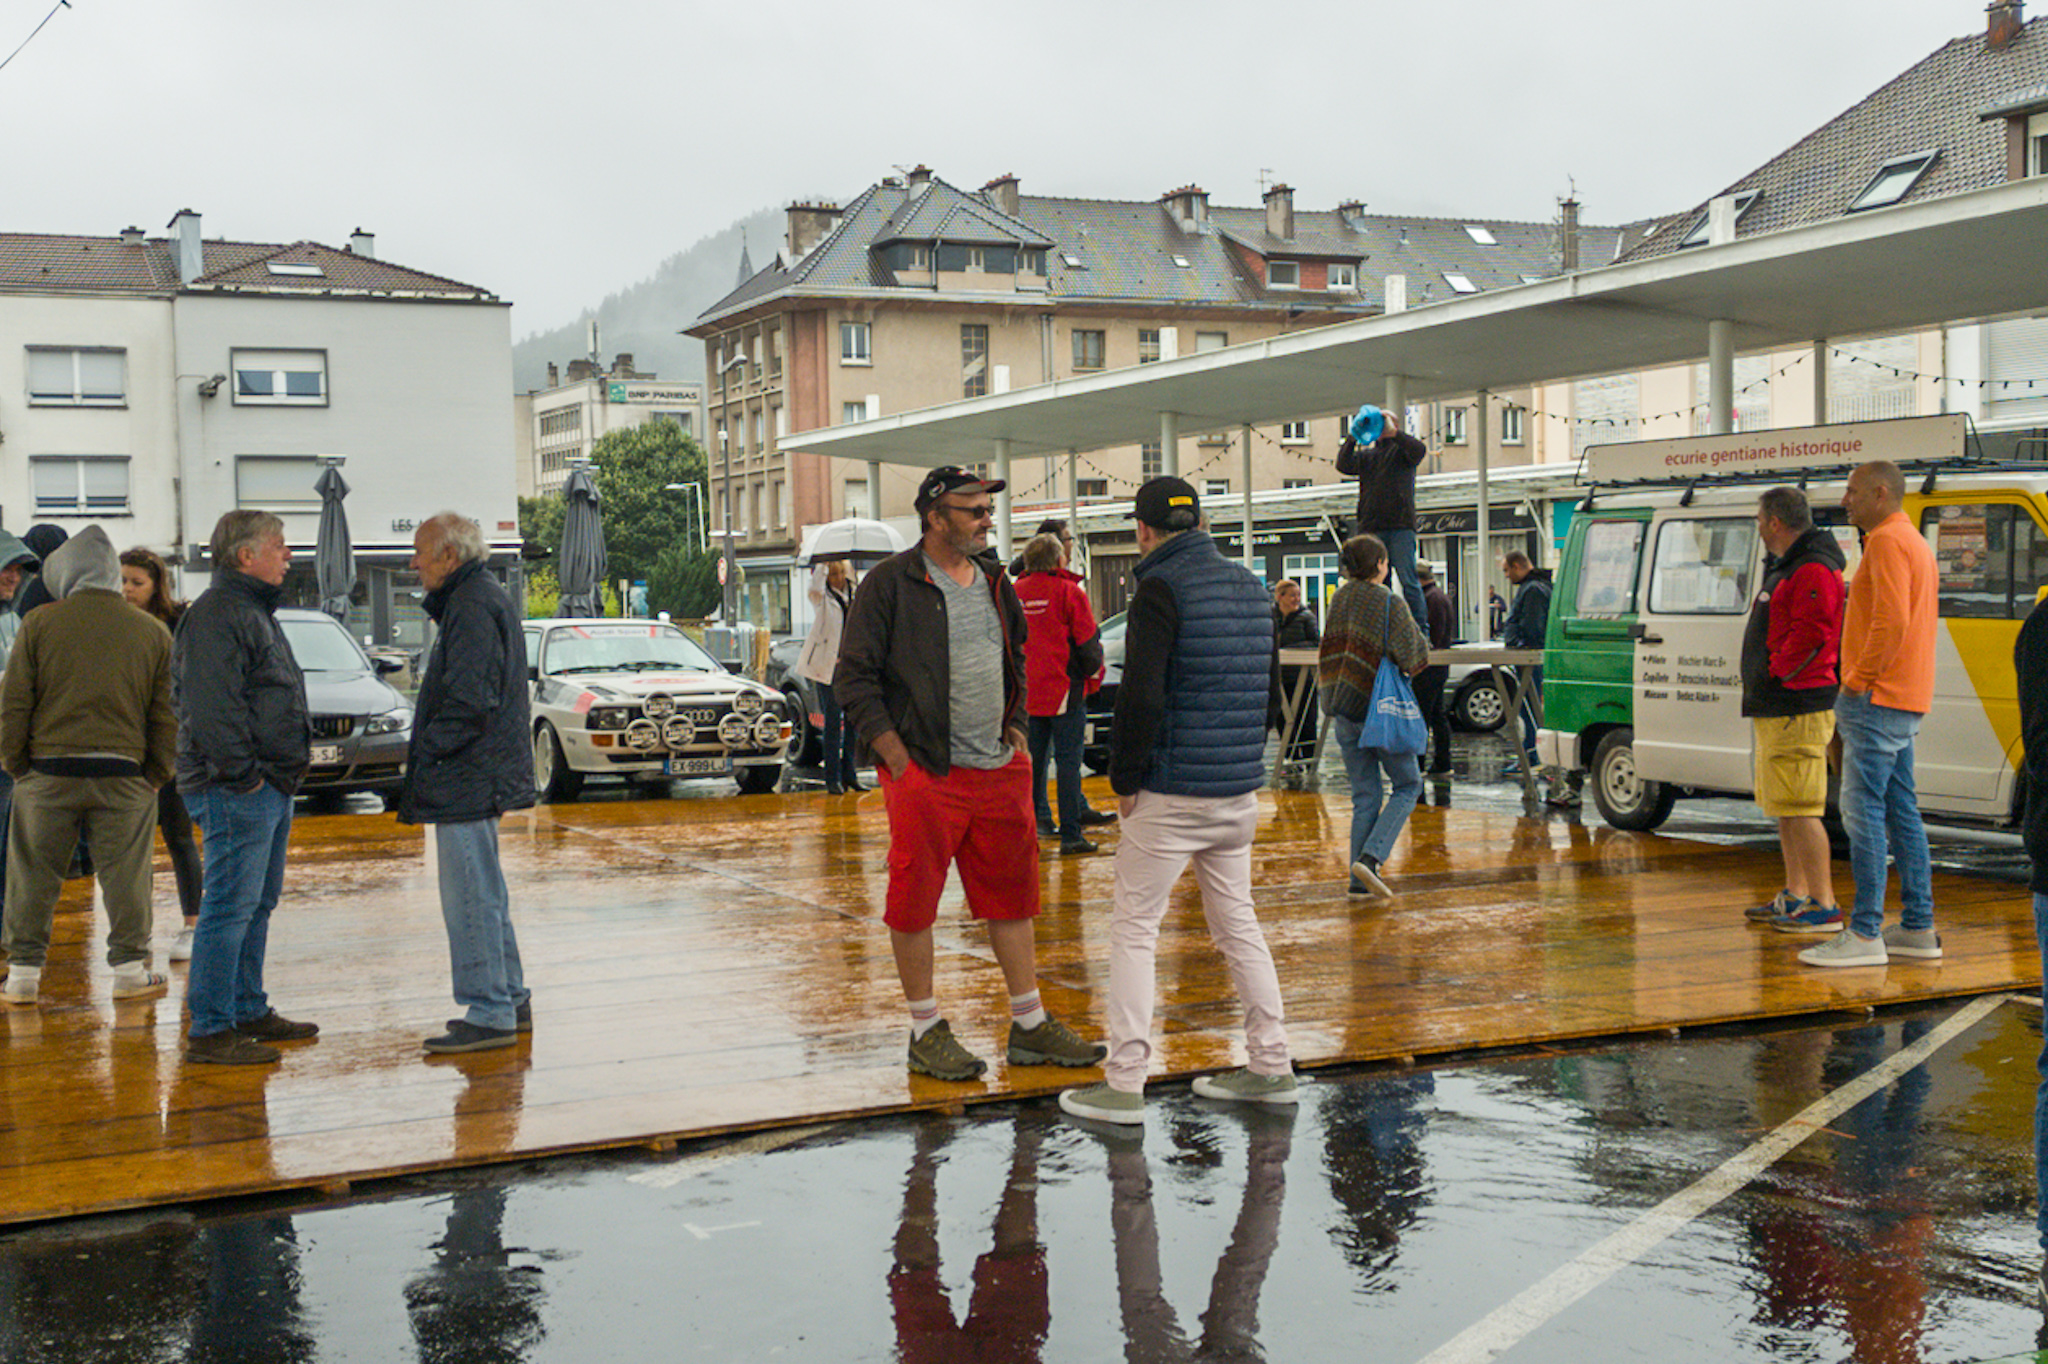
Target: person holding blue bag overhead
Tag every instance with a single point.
(1371, 646)
(1384, 458)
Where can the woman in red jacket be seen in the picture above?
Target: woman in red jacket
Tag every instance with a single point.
(1062, 664)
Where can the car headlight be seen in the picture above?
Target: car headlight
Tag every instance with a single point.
(390, 722)
(768, 731)
(748, 703)
(610, 717)
(658, 704)
(732, 730)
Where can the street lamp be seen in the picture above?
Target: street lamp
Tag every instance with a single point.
(694, 503)
(729, 605)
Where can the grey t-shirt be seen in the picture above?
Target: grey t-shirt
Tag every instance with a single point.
(974, 655)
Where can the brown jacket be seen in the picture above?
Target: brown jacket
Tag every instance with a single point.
(90, 676)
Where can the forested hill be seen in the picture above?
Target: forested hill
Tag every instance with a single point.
(646, 318)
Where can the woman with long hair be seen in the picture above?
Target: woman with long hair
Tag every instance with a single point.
(145, 583)
(831, 594)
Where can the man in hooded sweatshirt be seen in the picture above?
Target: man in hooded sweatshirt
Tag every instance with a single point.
(87, 733)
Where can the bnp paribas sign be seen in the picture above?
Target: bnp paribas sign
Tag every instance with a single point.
(640, 391)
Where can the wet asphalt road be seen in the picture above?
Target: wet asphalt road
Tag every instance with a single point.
(1638, 1201)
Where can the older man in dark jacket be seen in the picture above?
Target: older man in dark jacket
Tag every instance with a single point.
(470, 761)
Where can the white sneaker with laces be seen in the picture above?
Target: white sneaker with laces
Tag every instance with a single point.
(181, 946)
(1846, 948)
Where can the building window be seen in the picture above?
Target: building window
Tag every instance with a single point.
(1216, 487)
(277, 483)
(1149, 465)
(977, 259)
(1481, 235)
(920, 258)
(853, 344)
(1698, 235)
(1511, 425)
(1460, 284)
(80, 485)
(856, 502)
(1088, 349)
(1211, 341)
(775, 351)
(754, 441)
(1454, 426)
(778, 502)
(850, 413)
(1286, 483)
(280, 378)
(1283, 274)
(1343, 277)
(1893, 181)
(973, 359)
(1293, 433)
(1148, 345)
(779, 423)
(1091, 487)
(80, 377)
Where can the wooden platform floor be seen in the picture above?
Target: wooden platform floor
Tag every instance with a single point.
(708, 965)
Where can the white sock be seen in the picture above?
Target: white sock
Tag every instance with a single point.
(1025, 1010)
(924, 1016)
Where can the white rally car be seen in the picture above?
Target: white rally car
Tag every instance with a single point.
(642, 700)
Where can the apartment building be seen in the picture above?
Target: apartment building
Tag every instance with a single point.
(563, 421)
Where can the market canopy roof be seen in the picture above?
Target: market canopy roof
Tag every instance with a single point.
(1967, 257)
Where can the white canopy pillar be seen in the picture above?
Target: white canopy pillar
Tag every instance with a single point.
(1245, 549)
(874, 490)
(1720, 377)
(1475, 608)
(1169, 443)
(1820, 382)
(1079, 565)
(1002, 472)
(1397, 396)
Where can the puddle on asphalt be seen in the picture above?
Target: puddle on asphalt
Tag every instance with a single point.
(1387, 1216)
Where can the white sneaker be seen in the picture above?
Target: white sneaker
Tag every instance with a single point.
(181, 946)
(1923, 944)
(23, 983)
(1846, 948)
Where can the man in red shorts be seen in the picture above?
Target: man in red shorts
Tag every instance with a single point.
(931, 677)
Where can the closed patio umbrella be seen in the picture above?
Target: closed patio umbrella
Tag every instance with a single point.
(334, 553)
(582, 562)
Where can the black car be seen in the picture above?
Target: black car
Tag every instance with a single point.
(800, 695)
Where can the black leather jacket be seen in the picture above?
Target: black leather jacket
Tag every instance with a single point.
(239, 694)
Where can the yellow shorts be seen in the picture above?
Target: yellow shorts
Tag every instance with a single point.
(1792, 763)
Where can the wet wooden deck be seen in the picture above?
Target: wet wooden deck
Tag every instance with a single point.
(702, 966)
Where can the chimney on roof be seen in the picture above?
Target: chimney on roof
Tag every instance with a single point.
(1004, 192)
(809, 224)
(131, 236)
(2007, 18)
(622, 367)
(363, 244)
(1189, 206)
(1350, 210)
(1567, 235)
(554, 375)
(186, 247)
(1280, 212)
(920, 178)
(579, 370)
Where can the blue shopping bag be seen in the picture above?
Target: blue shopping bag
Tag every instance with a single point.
(1393, 720)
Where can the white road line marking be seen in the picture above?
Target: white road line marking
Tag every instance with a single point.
(1506, 1325)
(761, 1143)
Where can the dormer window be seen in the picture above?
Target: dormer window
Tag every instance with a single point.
(977, 258)
(1283, 274)
(920, 258)
(1698, 235)
(2037, 144)
(1893, 181)
(1344, 277)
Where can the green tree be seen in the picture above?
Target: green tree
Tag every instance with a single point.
(540, 526)
(684, 582)
(633, 469)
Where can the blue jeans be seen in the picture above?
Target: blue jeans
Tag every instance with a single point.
(1401, 554)
(482, 950)
(1882, 812)
(1059, 737)
(836, 748)
(245, 842)
(1375, 826)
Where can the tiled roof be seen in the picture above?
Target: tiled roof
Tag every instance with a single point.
(1136, 252)
(1934, 105)
(42, 261)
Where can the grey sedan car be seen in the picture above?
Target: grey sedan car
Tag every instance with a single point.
(361, 726)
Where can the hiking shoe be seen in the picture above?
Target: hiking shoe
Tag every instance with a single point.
(939, 1054)
(1100, 1103)
(1245, 1086)
(181, 946)
(1846, 949)
(1809, 916)
(1364, 873)
(141, 983)
(275, 1027)
(1052, 1043)
(463, 1035)
(1777, 907)
(229, 1048)
(1922, 944)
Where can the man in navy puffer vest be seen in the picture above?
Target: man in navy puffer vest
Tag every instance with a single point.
(1201, 687)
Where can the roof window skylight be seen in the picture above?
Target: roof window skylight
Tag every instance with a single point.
(1182, 262)
(1698, 235)
(297, 267)
(1073, 261)
(1480, 235)
(1460, 283)
(1893, 181)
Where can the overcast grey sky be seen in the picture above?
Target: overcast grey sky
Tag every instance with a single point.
(553, 153)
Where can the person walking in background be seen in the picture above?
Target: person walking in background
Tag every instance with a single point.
(1429, 683)
(1384, 458)
(1368, 622)
(1887, 685)
(931, 674)
(42, 540)
(1058, 529)
(1790, 648)
(1527, 623)
(87, 733)
(1201, 687)
(469, 762)
(1062, 665)
(145, 585)
(831, 594)
(2030, 664)
(17, 564)
(1294, 627)
(244, 742)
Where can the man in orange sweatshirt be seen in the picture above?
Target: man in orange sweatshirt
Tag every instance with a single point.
(1887, 685)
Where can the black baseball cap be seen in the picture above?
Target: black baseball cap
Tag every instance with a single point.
(1160, 498)
(951, 478)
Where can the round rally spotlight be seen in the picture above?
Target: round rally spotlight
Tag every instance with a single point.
(747, 703)
(658, 704)
(768, 731)
(642, 736)
(677, 732)
(732, 731)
